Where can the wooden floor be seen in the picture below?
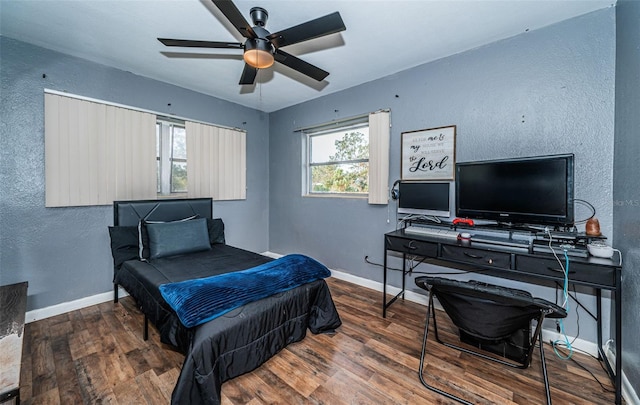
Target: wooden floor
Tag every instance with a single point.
(96, 355)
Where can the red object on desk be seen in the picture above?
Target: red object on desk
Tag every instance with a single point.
(466, 221)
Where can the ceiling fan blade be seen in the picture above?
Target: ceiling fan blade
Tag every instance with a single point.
(199, 44)
(235, 17)
(248, 75)
(301, 66)
(329, 24)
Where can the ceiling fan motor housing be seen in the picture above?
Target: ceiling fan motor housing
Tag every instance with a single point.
(259, 16)
(260, 32)
(258, 52)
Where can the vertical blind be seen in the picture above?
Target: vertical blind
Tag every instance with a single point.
(216, 162)
(97, 153)
(379, 134)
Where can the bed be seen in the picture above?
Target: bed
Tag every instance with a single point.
(155, 250)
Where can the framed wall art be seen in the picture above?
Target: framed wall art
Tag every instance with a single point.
(429, 154)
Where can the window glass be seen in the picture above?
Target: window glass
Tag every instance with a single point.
(158, 148)
(178, 160)
(339, 161)
(171, 152)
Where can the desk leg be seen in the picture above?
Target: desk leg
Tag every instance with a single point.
(384, 286)
(615, 375)
(617, 294)
(599, 320)
(404, 273)
(386, 304)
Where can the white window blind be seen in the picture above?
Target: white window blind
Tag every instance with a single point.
(97, 153)
(379, 134)
(216, 162)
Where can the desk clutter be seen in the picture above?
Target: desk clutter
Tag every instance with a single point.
(574, 244)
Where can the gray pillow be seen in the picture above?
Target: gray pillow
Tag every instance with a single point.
(177, 238)
(143, 235)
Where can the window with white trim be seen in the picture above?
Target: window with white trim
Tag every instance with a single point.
(338, 160)
(171, 156)
(349, 157)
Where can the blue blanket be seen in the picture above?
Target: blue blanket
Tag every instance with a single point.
(200, 300)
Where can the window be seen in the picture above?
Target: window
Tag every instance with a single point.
(348, 157)
(171, 156)
(98, 152)
(338, 160)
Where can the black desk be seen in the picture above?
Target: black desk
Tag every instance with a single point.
(515, 263)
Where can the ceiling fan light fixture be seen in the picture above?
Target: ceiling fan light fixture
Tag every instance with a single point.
(257, 53)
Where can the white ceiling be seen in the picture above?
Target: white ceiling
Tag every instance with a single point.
(382, 38)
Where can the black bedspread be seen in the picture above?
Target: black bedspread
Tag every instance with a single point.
(243, 339)
(142, 279)
(236, 342)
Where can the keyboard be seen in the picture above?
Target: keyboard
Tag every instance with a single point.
(434, 232)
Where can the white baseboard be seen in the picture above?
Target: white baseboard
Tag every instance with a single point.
(628, 392)
(581, 345)
(64, 307)
(272, 254)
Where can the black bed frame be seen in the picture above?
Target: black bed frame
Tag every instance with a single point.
(130, 213)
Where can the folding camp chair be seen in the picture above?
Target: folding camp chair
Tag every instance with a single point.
(490, 318)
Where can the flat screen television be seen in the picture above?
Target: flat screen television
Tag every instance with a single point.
(532, 190)
(423, 198)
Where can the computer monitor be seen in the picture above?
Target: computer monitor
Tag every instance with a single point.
(424, 198)
(531, 190)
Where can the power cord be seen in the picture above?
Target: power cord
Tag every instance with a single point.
(591, 208)
(414, 217)
(619, 255)
(565, 304)
(566, 343)
(600, 361)
(604, 388)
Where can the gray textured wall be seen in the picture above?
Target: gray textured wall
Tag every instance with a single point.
(542, 92)
(64, 252)
(626, 182)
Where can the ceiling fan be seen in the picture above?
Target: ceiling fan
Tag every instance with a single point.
(262, 49)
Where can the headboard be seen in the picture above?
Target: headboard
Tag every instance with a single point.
(129, 213)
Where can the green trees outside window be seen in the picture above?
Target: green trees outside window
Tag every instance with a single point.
(339, 162)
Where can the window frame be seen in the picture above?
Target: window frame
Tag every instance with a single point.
(166, 159)
(324, 130)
